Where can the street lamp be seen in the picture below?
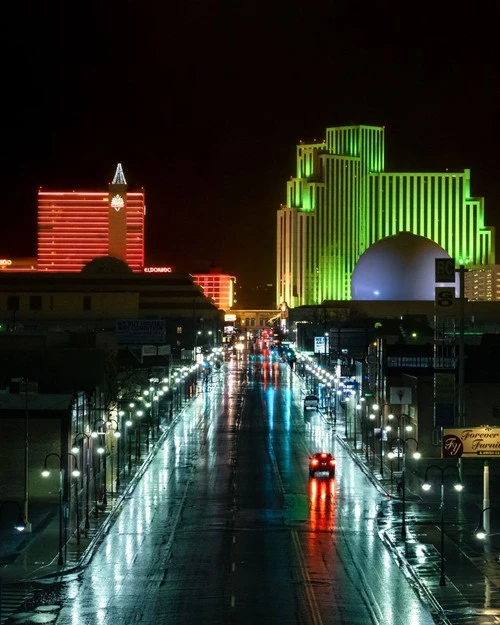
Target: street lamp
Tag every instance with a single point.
(458, 486)
(128, 424)
(76, 450)
(346, 416)
(372, 416)
(376, 408)
(20, 523)
(97, 432)
(416, 455)
(139, 413)
(408, 428)
(117, 435)
(74, 473)
(482, 530)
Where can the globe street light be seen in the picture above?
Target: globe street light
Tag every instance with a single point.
(97, 432)
(481, 532)
(76, 450)
(416, 455)
(74, 473)
(372, 418)
(117, 435)
(20, 523)
(458, 486)
(375, 408)
(408, 428)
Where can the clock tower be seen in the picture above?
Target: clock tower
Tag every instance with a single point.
(117, 215)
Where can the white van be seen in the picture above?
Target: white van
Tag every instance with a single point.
(311, 402)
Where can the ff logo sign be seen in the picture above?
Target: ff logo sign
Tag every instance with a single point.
(471, 442)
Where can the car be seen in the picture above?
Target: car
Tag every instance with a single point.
(311, 402)
(322, 462)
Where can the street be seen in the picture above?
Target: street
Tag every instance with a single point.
(226, 527)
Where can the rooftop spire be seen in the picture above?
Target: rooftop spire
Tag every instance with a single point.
(119, 177)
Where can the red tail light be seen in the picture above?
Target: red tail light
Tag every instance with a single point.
(314, 461)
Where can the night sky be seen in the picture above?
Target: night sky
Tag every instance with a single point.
(204, 102)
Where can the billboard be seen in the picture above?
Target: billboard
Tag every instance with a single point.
(140, 331)
(321, 344)
(481, 442)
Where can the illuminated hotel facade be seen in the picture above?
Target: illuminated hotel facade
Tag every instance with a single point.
(217, 286)
(341, 201)
(76, 227)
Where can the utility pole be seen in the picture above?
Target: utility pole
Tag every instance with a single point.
(26, 457)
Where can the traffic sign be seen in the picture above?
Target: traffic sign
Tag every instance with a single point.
(444, 301)
(445, 270)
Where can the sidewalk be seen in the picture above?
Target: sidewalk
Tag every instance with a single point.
(35, 556)
(471, 594)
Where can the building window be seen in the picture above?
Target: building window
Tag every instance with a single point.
(179, 329)
(87, 302)
(35, 302)
(13, 302)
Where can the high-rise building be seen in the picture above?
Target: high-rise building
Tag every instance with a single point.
(341, 201)
(75, 227)
(218, 287)
(482, 283)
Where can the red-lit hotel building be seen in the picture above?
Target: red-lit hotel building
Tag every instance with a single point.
(76, 227)
(217, 286)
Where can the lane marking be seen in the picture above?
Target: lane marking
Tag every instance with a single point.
(310, 596)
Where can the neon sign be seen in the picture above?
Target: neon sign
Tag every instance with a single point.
(5, 261)
(158, 269)
(117, 202)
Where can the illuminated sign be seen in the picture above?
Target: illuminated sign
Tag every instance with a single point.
(229, 317)
(5, 261)
(158, 269)
(117, 202)
(471, 442)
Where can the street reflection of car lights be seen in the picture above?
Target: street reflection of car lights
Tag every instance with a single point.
(458, 486)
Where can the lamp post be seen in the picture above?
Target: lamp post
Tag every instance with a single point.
(408, 428)
(197, 336)
(117, 435)
(101, 450)
(128, 424)
(372, 416)
(482, 529)
(417, 455)
(20, 523)
(376, 408)
(458, 487)
(79, 436)
(139, 413)
(74, 473)
(346, 415)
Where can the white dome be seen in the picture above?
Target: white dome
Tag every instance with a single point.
(399, 267)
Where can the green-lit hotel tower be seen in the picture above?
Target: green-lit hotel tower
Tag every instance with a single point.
(341, 201)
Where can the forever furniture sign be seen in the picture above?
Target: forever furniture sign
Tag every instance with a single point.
(471, 442)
